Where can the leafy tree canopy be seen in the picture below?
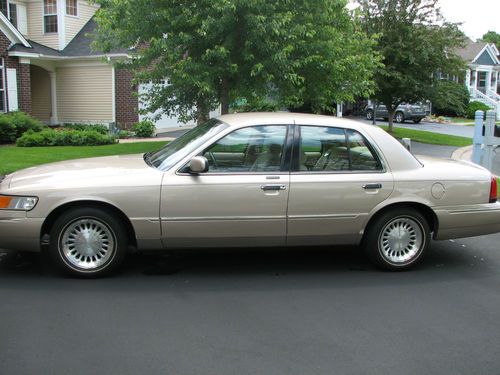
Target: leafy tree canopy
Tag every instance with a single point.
(216, 51)
(492, 37)
(414, 43)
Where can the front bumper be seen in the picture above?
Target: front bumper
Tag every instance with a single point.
(467, 221)
(18, 232)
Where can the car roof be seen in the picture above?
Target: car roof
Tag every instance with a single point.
(284, 118)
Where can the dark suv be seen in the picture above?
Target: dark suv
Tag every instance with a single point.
(414, 112)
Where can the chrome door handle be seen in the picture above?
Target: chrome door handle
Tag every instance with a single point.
(372, 186)
(273, 187)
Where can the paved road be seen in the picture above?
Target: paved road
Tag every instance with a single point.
(302, 312)
(459, 130)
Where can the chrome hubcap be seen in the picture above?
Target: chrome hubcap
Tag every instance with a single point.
(87, 243)
(401, 240)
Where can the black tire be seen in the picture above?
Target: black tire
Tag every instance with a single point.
(88, 242)
(384, 249)
(369, 114)
(417, 121)
(399, 117)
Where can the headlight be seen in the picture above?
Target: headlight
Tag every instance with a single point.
(10, 202)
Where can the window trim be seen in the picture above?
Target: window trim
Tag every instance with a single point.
(3, 87)
(14, 5)
(285, 157)
(50, 15)
(295, 170)
(77, 15)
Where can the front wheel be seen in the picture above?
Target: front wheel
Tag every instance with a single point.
(397, 240)
(88, 242)
(400, 117)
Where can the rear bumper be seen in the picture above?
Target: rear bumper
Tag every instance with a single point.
(18, 232)
(467, 221)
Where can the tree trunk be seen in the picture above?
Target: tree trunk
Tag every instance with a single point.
(391, 112)
(224, 96)
(202, 114)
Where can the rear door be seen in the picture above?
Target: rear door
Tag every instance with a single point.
(337, 178)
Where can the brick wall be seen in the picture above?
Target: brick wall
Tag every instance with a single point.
(127, 102)
(23, 76)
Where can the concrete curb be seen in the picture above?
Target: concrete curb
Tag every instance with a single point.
(155, 139)
(463, 153)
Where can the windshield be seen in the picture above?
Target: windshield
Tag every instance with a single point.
(172, 153)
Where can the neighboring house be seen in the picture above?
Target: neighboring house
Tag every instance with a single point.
(48, 69)
(482, 77)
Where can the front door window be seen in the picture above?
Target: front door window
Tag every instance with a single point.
(252, 149)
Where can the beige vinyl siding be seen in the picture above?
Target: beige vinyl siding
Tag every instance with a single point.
(35, 26)
(85, 94)
(40, 93)
(75, 24)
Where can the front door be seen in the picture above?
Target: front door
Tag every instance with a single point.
(240, 201)
(337, 180)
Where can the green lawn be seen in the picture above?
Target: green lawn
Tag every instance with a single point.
(13, 158)
(431, 138)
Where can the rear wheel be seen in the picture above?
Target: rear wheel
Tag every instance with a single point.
(399, 117)
(398, 239)
(88, 242)
(369, 114)
(417, 121)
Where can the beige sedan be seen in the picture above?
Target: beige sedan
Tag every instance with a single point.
(262, 179)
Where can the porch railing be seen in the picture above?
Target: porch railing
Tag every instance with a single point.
(493, 95)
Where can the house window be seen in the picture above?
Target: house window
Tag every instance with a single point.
(72, 7)
(2, 87)
(4, 7)
(13, 14)
(50, 15)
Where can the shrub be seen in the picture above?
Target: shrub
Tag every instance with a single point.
(476, 106)
(15, 124)
(449, 99)
(103, 129)
(124, 134)
(144, 129)
(64, 137)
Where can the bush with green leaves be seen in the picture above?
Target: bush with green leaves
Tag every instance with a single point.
(476, 106)
(124, 134)
(144, 129)
(14, 124)
(103, 129)
(64, 137)
(449, 99)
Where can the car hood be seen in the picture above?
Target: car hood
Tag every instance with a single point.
(82, 172)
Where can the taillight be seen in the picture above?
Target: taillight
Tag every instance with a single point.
(493, 190)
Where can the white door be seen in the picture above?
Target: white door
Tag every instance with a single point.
(12, 89)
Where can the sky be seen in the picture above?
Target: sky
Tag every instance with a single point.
(477, 16)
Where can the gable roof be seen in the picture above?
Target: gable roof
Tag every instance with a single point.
(11, 32)
(79, 46)
(473, 51)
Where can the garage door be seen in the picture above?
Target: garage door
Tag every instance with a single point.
(164, 122)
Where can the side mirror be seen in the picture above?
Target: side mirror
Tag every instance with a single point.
(198, 164)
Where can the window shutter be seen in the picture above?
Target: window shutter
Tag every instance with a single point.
(22, 19)
(12, 90)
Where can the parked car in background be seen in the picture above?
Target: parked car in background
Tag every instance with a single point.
(412, 112)
(249, 180)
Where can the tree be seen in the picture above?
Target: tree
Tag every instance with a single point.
(414, 44)
(216, 51)
(492, 37)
